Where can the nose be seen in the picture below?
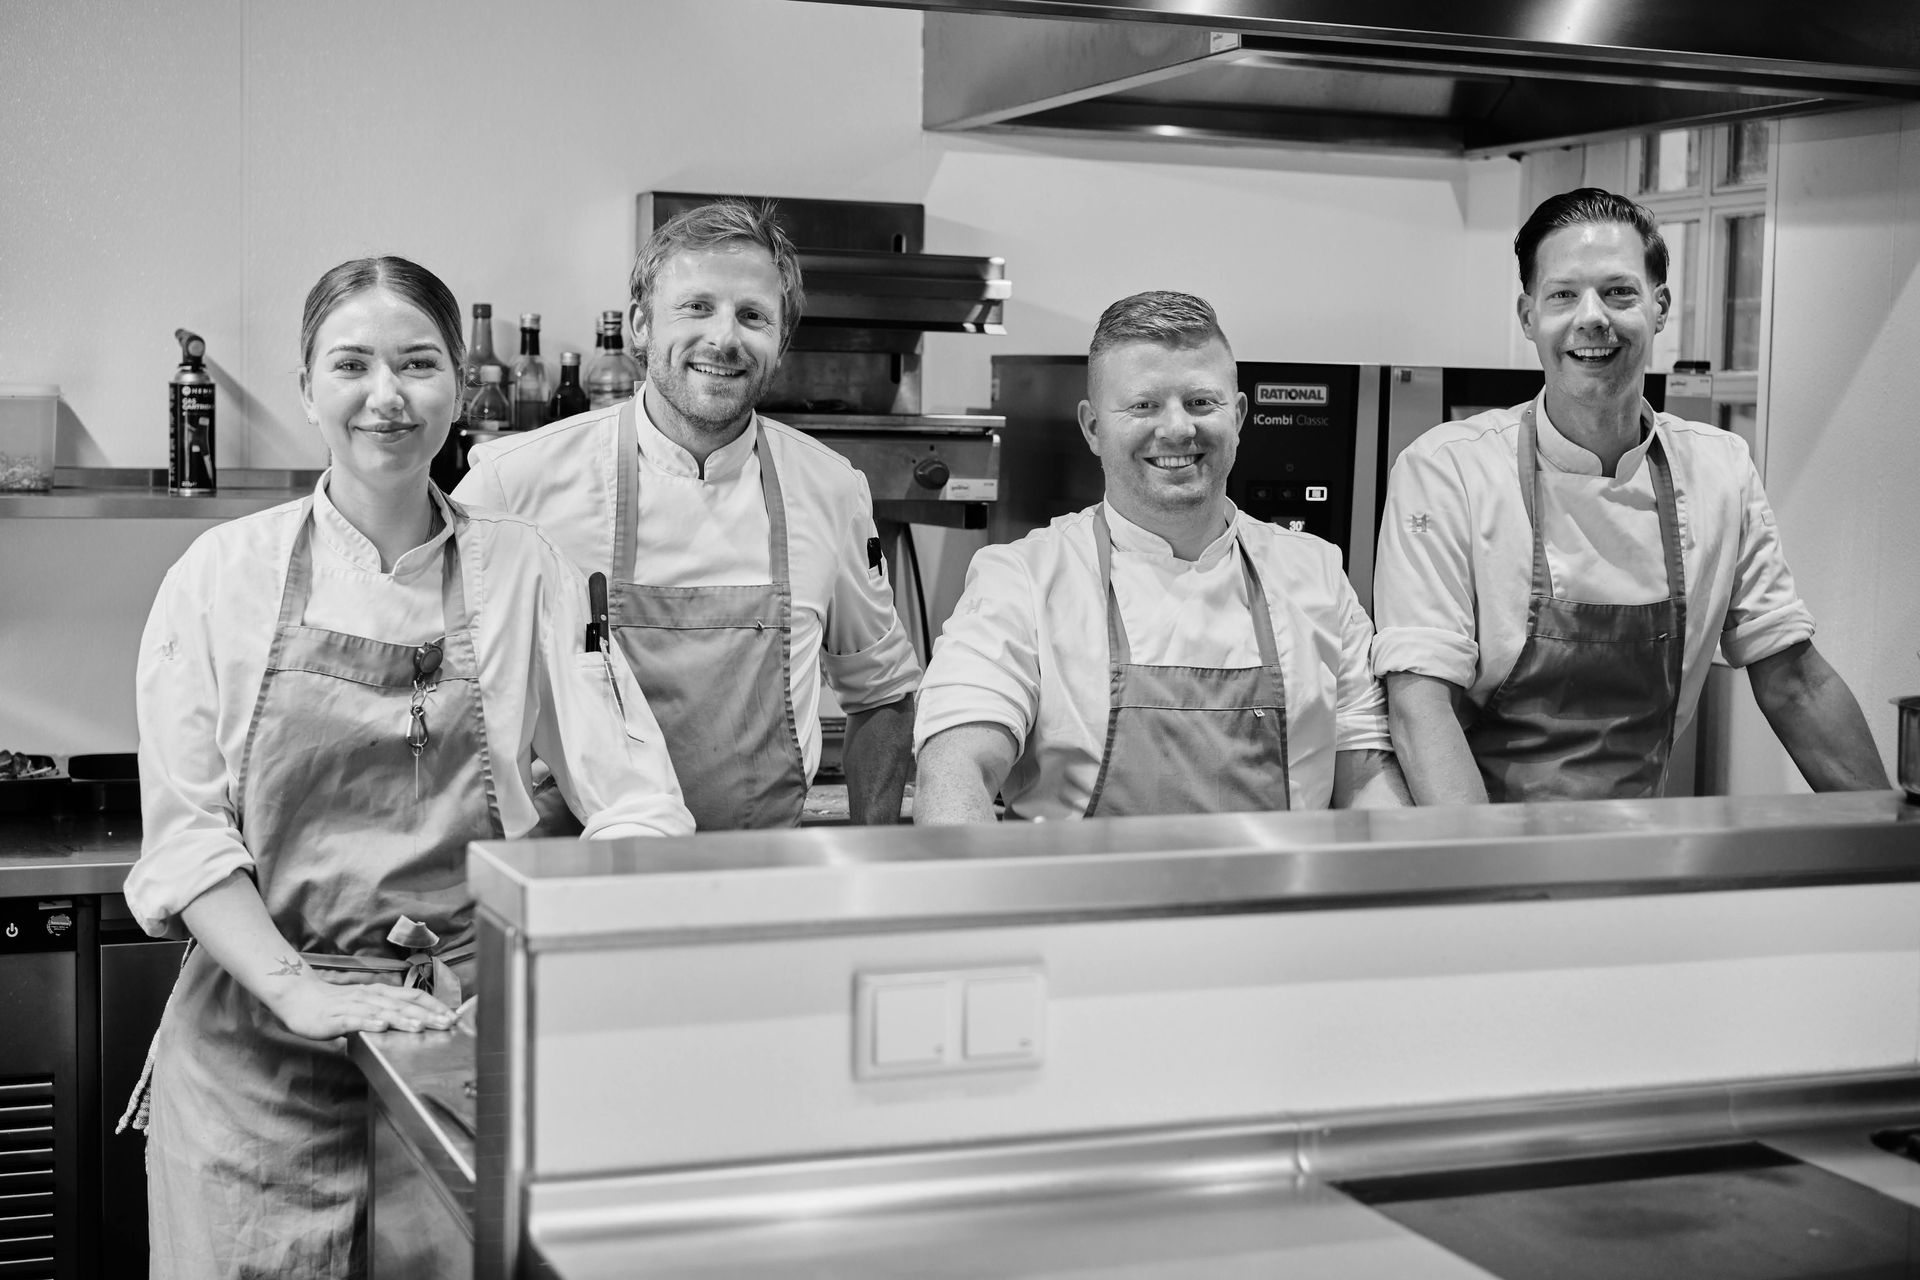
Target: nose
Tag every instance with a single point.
(1591, 313)
(1178, 425)
(383, 389)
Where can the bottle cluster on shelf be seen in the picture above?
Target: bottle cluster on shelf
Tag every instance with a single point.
(521, 396)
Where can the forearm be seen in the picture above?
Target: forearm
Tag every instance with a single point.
(1368, 780)
(1817, 720)
(877, 755)
(1428, 742)
(961, 770)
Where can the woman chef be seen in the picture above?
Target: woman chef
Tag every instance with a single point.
(335, 696)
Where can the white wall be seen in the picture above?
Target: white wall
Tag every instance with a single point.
(200, 164)
(1843, 416)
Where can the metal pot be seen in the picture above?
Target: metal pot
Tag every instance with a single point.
(1909, 749)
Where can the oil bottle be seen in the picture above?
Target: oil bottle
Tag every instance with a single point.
(190, 423)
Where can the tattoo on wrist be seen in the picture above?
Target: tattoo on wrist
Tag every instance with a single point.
(289, 968)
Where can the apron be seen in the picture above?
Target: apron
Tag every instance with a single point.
(1191, 739)
(1588, 711)
(715, 665)
(256, 1153)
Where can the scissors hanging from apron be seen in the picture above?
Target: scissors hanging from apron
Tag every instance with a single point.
(715, 663)
(1191, 739)
(257, 1142)
(1588, 711)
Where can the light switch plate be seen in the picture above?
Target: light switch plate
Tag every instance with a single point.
(948, 1021)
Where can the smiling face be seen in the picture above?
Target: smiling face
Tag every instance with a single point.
(1593, 312)
(712, 338)
(382, 388)
(1165, 422)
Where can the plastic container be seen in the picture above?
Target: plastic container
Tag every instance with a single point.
(28, 411)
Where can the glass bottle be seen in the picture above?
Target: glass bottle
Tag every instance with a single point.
(479, 356)
(569, 397)
(613, 374)
(490, 410)
(530, 387)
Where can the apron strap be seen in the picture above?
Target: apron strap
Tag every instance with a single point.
(626, 500)
(1121, 653)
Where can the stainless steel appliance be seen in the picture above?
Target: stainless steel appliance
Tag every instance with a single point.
(44, 1091)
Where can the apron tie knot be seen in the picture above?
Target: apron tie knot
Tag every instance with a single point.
(424, 969)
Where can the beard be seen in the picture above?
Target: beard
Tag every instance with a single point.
(702, 407)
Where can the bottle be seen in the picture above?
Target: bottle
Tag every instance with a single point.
(490, 410)
(613, 374)
(479, 356)
(190, 421)
(569, 397)
(530, 387)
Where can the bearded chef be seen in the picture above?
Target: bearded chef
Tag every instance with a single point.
(1160, 652)
(742, 555)
(1553, 578)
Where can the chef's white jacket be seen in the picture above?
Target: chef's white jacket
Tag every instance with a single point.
(710, 529)
(1026, 648)
(205, 649)
(1452, 583)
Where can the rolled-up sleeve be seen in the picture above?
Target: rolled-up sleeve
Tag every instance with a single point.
(986, 664)
(1360, 716)
(594, 729)
(1423, 587)
(1765, 613)
(866, 654)
(190, 838)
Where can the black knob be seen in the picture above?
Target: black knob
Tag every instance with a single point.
(932, 473)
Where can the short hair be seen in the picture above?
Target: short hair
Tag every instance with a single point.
(710, 226)
(1158, 316)
(411, 281)
(1579, 208)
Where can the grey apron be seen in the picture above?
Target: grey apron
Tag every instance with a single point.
(256, 1153)
(1190, 739)
(715, 665)
(1588, 711)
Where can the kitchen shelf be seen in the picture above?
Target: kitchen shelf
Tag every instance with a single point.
(96, 493)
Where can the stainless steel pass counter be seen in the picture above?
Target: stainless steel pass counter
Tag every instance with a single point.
(1160, 1047)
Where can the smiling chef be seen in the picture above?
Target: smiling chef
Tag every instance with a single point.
(1553, 578)
(1161, 651)
(742, 555)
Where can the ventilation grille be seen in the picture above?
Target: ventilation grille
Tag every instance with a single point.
(27, 1245)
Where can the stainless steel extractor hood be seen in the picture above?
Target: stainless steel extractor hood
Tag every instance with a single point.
(1460, 77)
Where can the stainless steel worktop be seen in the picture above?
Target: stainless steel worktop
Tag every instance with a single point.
(132, 493)
(564, 892)
(64, 856)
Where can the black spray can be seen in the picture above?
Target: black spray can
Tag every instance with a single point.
(190, 457)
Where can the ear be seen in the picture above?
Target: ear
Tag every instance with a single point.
(306, 395)
(1663, 304)
(1089, 427)
(1523, 307)
(637, 321)
(1239, 411)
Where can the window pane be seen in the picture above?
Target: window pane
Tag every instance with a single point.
(1679, 340)
(1741, 349)
(1747, 152)
(1670, 161)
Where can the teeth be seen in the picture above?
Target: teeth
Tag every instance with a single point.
(713, 371)
(1593, 353)
(1173, 464)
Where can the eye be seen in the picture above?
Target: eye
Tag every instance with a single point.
(348, 364)
(696, 308)
(428, 364)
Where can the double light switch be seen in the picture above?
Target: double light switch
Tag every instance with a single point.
(951, 1020)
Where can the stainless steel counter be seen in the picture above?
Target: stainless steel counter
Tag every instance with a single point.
(859, 878)
(64, 856)
(95, 493)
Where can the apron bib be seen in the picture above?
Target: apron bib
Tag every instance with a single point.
(256, 1148)
(1588, 711)
(715, 664)
(1190, 739)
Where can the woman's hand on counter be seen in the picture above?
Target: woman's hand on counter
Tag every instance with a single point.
(316, 1009)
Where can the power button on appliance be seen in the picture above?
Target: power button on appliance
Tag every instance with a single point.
(13, 930)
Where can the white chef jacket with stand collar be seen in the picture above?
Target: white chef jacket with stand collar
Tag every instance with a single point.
(708, 527)
(205, 649)
(1026, 648)
(1451, 586)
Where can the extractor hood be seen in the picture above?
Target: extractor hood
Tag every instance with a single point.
(1457, 77)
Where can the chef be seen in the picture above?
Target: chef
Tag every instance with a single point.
(1160, 652)
(742, 555)
(335, 697)
(1553, 578)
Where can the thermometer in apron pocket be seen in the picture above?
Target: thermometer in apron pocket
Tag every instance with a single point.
(600, 633)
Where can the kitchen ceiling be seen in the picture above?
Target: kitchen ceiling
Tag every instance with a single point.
(1460, 77)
